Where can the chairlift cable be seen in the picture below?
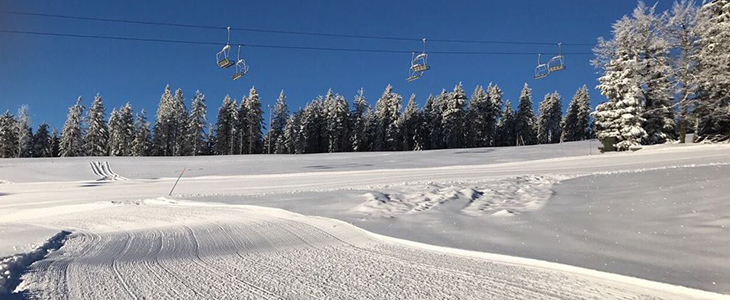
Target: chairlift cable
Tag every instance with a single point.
(306, 33)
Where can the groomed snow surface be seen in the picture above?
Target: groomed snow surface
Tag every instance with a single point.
(542, 222)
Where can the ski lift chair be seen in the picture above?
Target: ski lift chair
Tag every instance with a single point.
(419, 64)
(557, 63)
(241, 66)
(222, 57)
(542, 70)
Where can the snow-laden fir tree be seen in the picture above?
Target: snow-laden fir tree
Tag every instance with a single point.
(453, 117)
(684, 34)
(171, 124)
(505, 135)
(410, 126)
(42, 142)
(360, 109)
(142, 143)
(197, 121)
(254, 123)
(209, 148)
(25, 135)
(313, 138)
(287, 142)
(713, 107)
(387, 113)
(55, 143)
(8, 135)
(96, 139)
(122, 131)
(240, 139)
(226, 127)
(549, 117)
(114, 130)
(621, 84)
(278, 120)
(576, 123)
(182, 147)
(495, 96)
(525, 121)
(337, 115)
(433, 111)
(650, 35)
(72, 133)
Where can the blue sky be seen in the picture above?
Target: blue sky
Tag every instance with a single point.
(48, 73)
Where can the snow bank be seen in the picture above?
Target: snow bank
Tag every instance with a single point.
(13, 266)
(505, 197)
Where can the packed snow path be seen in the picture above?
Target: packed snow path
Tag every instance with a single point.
(239, 252)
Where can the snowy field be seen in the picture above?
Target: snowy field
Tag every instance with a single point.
(538, 222)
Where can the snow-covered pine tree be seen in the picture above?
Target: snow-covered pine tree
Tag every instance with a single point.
(576, 123)
(621, 84)
(181, 145)
(313, 137)
(525, 121)
(42, 142)
(505, 135)
(240, 138)
(605, 121)
(197, 121)
(360, 109)
(55, 143)
(209, 147)
(278, 120)
(684, 34)
(337, 117)
(72, 133)
(142, 143)
(255, 122)
(114, 127)
(387, 112)
(649, 32)
(163, 138)
(453, 118)
(495, 96)
(549, 117)
(476, 115)
(96, 140)
(410, 126)
(226, 127)
(25, 135)
(8, 135)
(434, 114)
(127, 131)
(713, 107)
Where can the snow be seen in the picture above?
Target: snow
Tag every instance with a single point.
(283, 226)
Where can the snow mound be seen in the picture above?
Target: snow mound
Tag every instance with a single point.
(505, 197)
(5, 181)
(156, 201)
(104, 171)
(13, 266)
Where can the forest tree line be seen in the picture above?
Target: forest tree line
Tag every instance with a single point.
(328, 123)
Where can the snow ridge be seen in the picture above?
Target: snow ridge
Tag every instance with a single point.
(12, 267)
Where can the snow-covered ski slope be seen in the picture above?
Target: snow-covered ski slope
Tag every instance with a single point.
(129, 243)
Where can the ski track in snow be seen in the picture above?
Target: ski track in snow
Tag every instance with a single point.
(254, 253)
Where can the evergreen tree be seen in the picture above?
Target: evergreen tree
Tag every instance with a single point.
(684, 34)
(42, 142)
(163, 139)
(124, 132)
(209, 148)
(313, 138)
(196, 124)
(525, 122)
(410, 126)
(8, 135)
(287, 142)
(72, 141)
(278, 121)
(337, 115)
(226, 127)
(114, 133)
(432, 112)
(482, 115)
(387, 112)
(576, 123)
(506, 135)
(359, 116)
(55, 143)
(453, 118)
(255, 122)
(655, 72)
(713, 107)
(179, 128)
(550, 115)
(25, 135)
(97, 134)
(142, 143)
(495, 96)
(240, 138)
